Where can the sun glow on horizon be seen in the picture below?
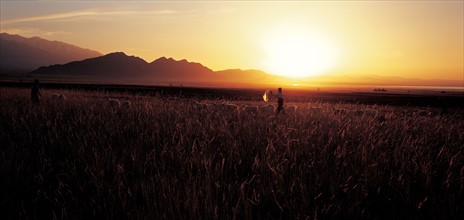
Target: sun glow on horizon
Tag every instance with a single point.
(302, 41)
(296, 53)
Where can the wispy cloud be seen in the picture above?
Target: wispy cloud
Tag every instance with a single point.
(49, 17)
(87, 14)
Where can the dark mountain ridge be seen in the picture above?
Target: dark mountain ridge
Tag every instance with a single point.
(169, 68)
(119, 66)
(21, 55)
(111, 65)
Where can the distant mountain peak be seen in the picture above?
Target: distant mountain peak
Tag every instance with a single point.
(38, 38)
(163, 59)
(116, 54)
(21, 55)
(172, 60)
(4, 34)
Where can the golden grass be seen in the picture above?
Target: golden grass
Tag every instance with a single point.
(171, 158)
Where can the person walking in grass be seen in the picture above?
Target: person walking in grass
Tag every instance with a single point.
(35, 93)
(280, 101)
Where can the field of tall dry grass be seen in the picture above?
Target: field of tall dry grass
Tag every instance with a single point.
(167, 157)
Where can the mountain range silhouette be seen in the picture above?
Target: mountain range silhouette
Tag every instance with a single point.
(120, 67)
(21, 55)
(58, 60)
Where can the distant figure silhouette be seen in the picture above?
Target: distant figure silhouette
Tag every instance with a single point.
(444, 106)
(35, 93)
(280, 101)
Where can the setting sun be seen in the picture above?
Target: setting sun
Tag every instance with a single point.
(297, 53)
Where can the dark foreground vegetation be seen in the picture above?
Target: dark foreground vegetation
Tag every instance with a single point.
(165, 156)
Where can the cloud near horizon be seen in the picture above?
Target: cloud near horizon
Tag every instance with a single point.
(84, 15)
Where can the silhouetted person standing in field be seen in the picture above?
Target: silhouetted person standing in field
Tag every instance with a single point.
(35, 93)
(280, 101)
(444, 105)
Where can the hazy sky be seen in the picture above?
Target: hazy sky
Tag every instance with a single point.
(423, 39)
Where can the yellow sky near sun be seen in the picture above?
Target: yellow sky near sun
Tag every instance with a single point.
(417, 39)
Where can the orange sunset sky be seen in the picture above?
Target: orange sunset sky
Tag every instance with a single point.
(412, 39)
